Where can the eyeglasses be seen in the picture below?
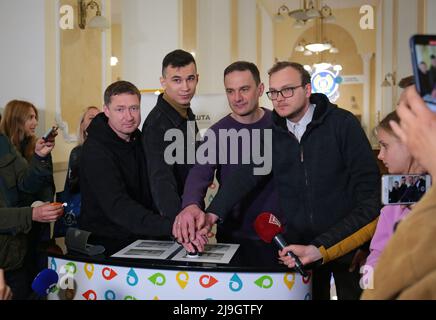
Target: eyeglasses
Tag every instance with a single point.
(285, 92)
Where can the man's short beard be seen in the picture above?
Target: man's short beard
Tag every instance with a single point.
(296, 112)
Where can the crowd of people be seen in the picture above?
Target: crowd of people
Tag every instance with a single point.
(324, 182)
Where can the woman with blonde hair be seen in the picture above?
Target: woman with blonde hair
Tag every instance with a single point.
(85, 120)
(72, 184)
(71, 194)
(398, 160)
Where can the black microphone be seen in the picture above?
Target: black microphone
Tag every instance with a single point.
(281, 243)
(269, 229)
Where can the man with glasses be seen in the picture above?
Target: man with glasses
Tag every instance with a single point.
(326, 176)
(116, 198)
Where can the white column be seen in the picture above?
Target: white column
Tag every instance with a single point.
(366, 59)
(267, 51)
(388, 54)
(150, 30)
(398, 21)
(247, 30)
(384, 64)
(407, 26)
(106, 49)
(214, 44)
(379, 73)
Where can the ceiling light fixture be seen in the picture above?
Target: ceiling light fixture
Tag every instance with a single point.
(309, 11)
(97, 22)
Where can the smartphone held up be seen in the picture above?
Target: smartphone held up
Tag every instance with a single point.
(50, 134)
(404, 189)
(423, 48)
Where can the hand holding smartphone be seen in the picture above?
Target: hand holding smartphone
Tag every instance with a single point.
(404, 189)
(423, 48)
(50, 134)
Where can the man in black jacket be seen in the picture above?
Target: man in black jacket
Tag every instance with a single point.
(326, 176)
(116, 199)
(172, 114)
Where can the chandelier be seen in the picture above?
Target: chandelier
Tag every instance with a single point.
(309, 11)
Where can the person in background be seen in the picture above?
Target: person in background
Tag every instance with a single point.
(398, 160)
(407, 267)
(411, 193)
(72, 181)
(424, 78)
(71, 193)
(16, 221)
(19, 123)
(402, 188)
(420, 186)
(361, 255)
(393, 193)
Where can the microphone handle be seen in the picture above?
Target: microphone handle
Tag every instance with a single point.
(281, 243)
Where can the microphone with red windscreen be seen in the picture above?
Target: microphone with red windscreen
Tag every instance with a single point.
(269, 229)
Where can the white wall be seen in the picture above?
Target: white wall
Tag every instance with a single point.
(407, 26)
(150, 30)
(214, 44)
(22, 62)
(247, 26)
(267, 59)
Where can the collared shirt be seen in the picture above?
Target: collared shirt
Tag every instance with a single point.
(299, 128)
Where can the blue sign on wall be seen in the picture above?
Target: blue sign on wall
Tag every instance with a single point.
(326, 81)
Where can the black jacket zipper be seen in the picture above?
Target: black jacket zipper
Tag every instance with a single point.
(306, 180)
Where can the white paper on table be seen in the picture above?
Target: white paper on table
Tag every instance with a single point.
(148, 249)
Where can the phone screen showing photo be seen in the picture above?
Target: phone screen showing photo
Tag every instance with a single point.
(424, 67)
(404, 189)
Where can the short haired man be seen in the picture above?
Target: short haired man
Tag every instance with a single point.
(172, 112)
(315, 143)
(243, 89)
(116, 199)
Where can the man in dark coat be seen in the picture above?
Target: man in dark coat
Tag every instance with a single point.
(116, 198)
(168, 171)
